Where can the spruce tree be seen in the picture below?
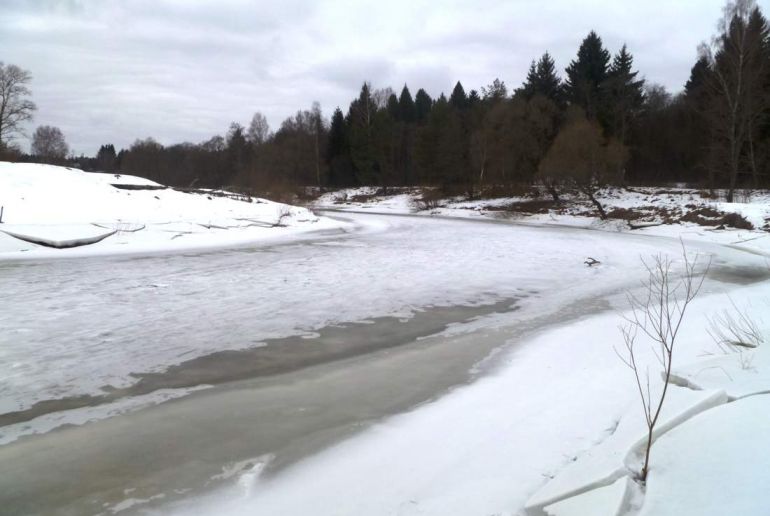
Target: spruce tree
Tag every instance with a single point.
(338, 152)
(473, 98)
(363, 153)
(542, 79)
(422, 106)
(458, 99)
(392, 107)
(586, 75)
(625, 94)
(529, 88)
(406, 106)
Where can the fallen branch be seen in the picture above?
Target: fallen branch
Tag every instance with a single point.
(591, 262)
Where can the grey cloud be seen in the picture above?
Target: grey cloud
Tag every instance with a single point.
(113, 71)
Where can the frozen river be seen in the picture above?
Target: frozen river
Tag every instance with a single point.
(272, 351)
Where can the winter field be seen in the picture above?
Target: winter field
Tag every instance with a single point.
(169, 352)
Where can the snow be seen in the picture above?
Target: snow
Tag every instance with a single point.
(60, 237)
(64, 206)
(609, 461)
(740, 373)
(652, 203)
(608, 501)
(488, 447)
(715, 464)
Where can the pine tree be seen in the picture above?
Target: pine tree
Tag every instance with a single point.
(406, 106)
(458, 99)
(625, 94)
(586, 75)
(422, 106)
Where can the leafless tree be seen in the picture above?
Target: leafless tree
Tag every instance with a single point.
(48, 143)
(380, 96)
(657, 315)
(318, 130)
(259, 129)
(582, 157)
(736, 86)
(15, 107)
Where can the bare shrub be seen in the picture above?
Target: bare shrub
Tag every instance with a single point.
(431, 199)
(658, 315)
(531, 206)
(710, 217)
(734, 330)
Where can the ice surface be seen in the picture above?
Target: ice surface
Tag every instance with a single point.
(714, 464)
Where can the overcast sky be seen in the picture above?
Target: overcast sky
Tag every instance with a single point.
(113, 71)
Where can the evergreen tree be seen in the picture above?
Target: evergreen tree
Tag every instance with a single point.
(406, 106)
(543, 80)
(473, 98)
(529, 88)
(695, 87)
(363, 151)
(586, 75)
(392, 107)
(106, 159)
(237, 153)
(458, 99)
(338, 153)
(625, 93)
(422, 106)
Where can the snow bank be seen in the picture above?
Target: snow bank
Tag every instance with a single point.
(609, 461)
(45, 205)
(713, 465)
(605, 501)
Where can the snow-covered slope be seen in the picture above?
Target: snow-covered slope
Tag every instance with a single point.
(47, 207)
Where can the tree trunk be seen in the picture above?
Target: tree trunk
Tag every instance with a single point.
(551, 188)
(595, 201)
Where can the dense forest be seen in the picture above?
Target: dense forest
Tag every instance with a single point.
(599, 123)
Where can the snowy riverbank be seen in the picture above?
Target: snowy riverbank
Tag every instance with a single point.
(673, 212)
(51, 211)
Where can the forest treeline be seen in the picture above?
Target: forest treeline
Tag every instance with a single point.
(599, 123)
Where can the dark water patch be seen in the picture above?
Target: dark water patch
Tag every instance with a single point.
(739, 274)
(277, 356)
